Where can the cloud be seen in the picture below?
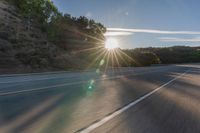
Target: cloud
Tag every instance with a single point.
(152, 31)
(118, 33)
(173, 39)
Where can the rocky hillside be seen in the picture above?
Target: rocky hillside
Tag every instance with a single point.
(25, 48)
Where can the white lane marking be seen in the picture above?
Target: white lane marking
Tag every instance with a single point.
(43, 73)
(67, 84)
(41, 88)
(28, 80)
(111, 116)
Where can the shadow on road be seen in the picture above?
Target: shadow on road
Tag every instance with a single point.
(68, 109)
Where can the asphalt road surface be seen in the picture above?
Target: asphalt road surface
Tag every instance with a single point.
(161, 99)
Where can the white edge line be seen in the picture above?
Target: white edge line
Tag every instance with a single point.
(111, 116)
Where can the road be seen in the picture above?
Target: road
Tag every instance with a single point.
(161, 99)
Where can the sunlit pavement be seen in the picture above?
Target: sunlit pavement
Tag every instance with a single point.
(72, 102)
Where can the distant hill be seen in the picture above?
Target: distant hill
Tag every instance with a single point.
(164, 55)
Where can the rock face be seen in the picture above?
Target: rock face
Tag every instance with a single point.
(23, 46)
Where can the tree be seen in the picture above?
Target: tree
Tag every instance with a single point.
(41, 10)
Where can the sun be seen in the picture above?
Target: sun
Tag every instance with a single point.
(111, 43)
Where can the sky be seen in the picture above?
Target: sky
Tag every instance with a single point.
(142, 23)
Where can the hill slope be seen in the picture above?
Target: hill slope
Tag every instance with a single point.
(24, 47)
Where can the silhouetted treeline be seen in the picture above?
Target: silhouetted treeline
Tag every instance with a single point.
(167, 55)
(130, 57)
(75, 33)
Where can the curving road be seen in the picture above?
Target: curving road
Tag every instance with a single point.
(162, 99)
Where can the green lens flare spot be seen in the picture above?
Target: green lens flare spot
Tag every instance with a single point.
(91, 84)
(90, 87)
(102, 62)
(98, 71)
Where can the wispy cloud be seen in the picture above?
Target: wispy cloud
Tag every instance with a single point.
(173, 39)
(116, 33)
(151, 31)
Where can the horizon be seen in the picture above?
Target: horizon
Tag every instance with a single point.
(136, 23)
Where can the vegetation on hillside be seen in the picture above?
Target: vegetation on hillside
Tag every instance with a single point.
(40, 37)
(64, 30)
(152, 56)
(75, 33)
(165, 55)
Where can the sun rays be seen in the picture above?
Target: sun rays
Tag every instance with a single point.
(106, 50)
(103, 55)
(111, 43)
